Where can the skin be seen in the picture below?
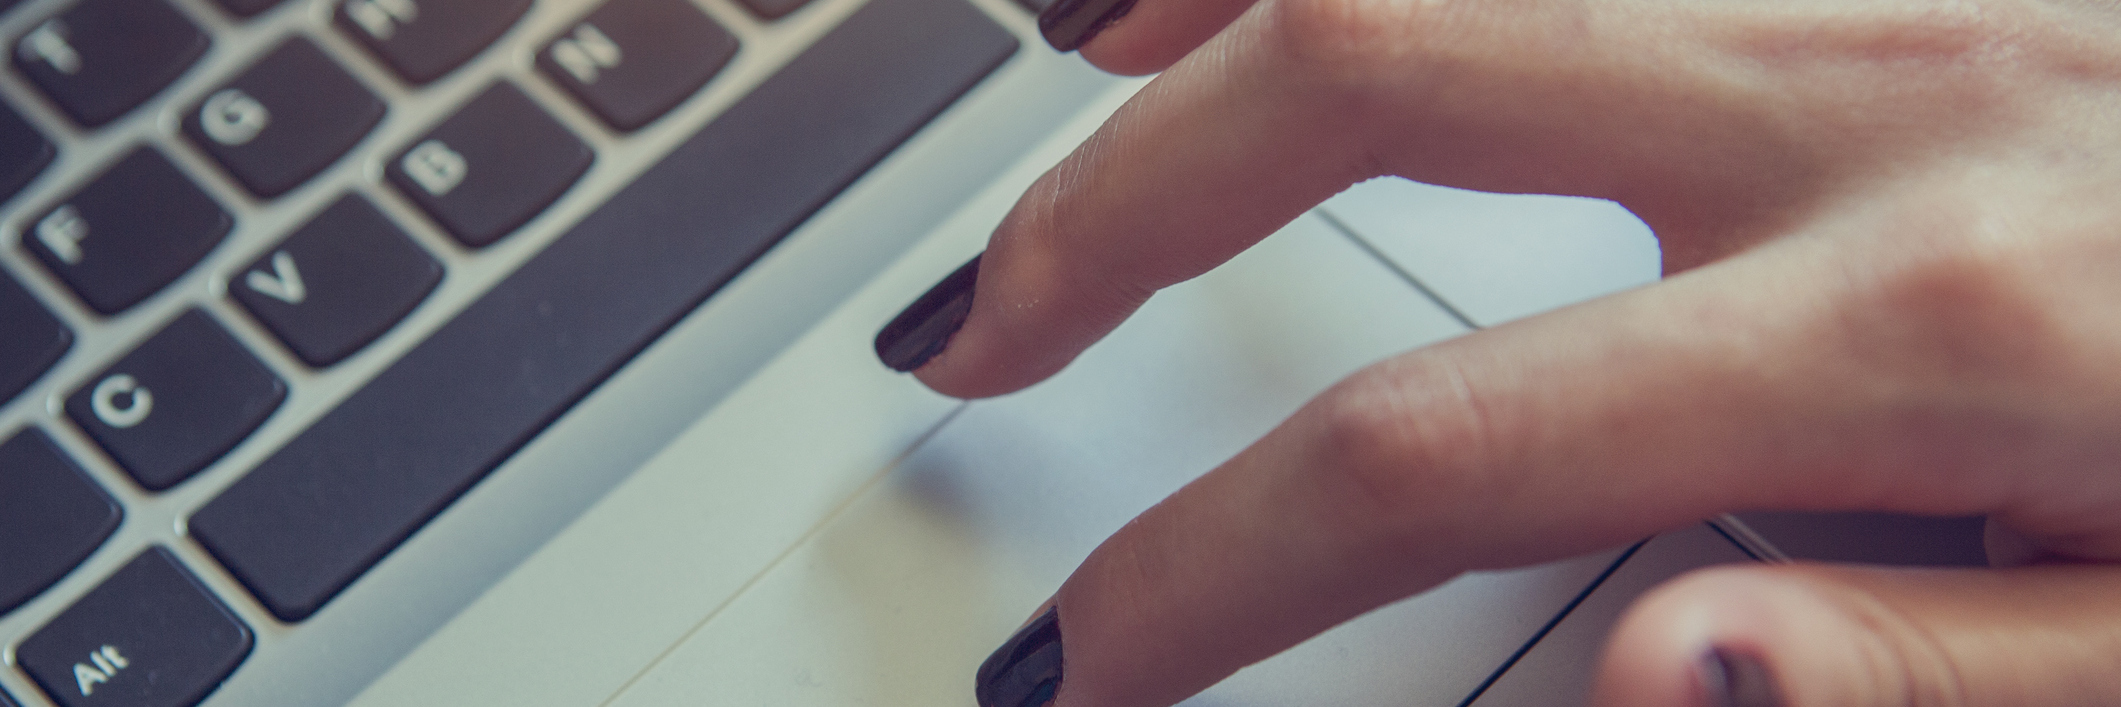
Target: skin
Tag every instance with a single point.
(1892, 240)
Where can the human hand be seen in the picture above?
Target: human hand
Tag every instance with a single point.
(1892, 239)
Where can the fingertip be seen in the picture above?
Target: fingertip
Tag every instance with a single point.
(1127, 51)
(1718, 637)
(1139, 39)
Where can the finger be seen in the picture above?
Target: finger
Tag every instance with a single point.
(1303, 97)
(1203, 162)
(1135, 38)
(1212, 156)
(1562, 434)
(1815, 636)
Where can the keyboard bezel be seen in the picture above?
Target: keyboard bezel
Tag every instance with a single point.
(330, 656)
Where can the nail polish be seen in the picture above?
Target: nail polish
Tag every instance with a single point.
(1026, 670)
(1732, 678)
(924, 328)
(1069, 24)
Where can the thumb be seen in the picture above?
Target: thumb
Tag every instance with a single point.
(1818, 636)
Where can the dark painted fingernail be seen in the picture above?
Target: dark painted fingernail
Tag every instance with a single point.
(924, 328)
(1732, 678)
(1025, 671)
(1070, 24)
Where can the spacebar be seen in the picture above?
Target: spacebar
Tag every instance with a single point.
(311, 518)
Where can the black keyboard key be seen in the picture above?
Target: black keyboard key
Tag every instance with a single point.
(489, 168)
(129, 233)
(246, 8)
(150, 636)
(103, 57)
(178, 402)
(338, 283)
(286, 118)
(23, 152)
(314, 516)
(51, 516)
(34, 339)
(631, 61)
(424, 39)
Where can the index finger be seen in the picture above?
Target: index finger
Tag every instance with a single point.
(1302, 98)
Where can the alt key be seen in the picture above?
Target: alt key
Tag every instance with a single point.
(150, 636)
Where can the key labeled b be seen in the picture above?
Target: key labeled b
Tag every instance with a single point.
(496, 163)
(435, 167)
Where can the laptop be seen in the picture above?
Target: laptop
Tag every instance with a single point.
(485, 351)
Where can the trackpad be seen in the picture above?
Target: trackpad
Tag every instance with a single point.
(898, 597)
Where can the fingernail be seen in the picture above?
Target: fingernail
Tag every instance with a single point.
(1069, 24)
(924, 328)
(1025, 671)
(1732, 678)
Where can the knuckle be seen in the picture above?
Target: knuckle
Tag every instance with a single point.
(1924, 72)
(1345, 41)
(1900, 660)
(1925, 34)
(1406, 453)
(1961, 312)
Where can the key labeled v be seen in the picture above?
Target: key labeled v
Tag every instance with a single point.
(285, 282)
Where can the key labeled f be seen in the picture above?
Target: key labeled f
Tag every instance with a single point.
(62, 232)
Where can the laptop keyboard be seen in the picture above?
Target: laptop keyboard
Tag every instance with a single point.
(335, 498)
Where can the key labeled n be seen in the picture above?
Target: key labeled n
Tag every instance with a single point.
(284, 283)
(586, 53)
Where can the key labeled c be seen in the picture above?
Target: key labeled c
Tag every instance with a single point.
(138, 401)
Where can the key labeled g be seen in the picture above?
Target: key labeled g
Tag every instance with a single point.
(232, 117)
(138, 402)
